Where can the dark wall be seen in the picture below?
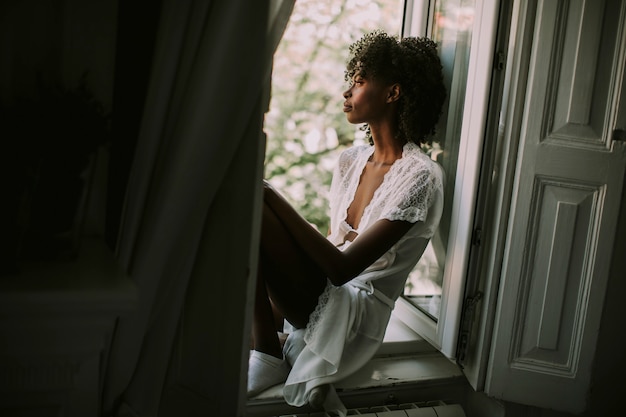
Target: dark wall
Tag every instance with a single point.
(102, 46)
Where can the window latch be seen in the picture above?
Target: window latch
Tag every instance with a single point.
(466, 326)
(500, 61)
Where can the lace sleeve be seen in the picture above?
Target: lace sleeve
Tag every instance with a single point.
(417, 197)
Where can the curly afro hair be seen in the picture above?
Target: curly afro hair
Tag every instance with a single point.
(411, 62)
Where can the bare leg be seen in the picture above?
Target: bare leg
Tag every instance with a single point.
(287, 277)
(278, 318)
(288, 285)
(264, 326)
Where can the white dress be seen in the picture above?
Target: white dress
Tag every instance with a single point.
(349, 323)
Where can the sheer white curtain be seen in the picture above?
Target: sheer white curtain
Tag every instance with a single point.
(190, 225)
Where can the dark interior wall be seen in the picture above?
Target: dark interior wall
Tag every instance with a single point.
(49, 51)
(106, 43)
(56, 41)
(31, 43)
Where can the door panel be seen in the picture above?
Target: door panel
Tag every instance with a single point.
(565, 205)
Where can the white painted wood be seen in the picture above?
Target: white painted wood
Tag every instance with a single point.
(443, 333)
(467, 174)
(415, 22)
(491, 210)
(565, 202)
(400, 339)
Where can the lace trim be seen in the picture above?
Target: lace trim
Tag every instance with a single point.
(406, 192)
(316, 315)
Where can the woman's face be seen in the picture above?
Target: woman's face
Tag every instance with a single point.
(365, 100)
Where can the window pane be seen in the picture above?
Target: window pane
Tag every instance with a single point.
(452, 30)
(305, 126)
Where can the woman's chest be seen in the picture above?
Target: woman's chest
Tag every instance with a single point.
(369, 182)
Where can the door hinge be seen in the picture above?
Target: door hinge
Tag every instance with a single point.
(466, 326)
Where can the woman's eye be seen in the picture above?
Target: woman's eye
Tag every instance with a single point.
(355, 81)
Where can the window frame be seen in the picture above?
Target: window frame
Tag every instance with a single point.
(443, 334)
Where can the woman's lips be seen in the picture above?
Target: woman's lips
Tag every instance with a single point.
(347, 107)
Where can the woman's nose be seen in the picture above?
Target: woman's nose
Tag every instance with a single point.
(347, 93)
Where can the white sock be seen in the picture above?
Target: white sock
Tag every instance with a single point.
(265, 371)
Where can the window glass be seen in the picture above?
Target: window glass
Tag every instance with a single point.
(451, 29)
(306, 127)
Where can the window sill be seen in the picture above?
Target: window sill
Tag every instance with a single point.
(405, 363)
(400, 339)
(384, 380)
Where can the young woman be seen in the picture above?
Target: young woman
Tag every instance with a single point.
(386, 199)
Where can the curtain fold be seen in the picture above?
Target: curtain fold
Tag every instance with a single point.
(208, 91)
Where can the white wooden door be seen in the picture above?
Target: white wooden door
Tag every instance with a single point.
(565, 201)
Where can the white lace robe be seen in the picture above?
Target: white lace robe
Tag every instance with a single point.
(349, 324)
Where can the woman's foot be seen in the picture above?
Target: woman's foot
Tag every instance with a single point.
(265, 371)
(317, 396)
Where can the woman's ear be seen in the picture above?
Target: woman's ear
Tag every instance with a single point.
(394, 93)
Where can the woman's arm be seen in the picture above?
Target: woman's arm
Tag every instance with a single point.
(339, 266)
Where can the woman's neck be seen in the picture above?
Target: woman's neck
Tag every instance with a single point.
(387, 146)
